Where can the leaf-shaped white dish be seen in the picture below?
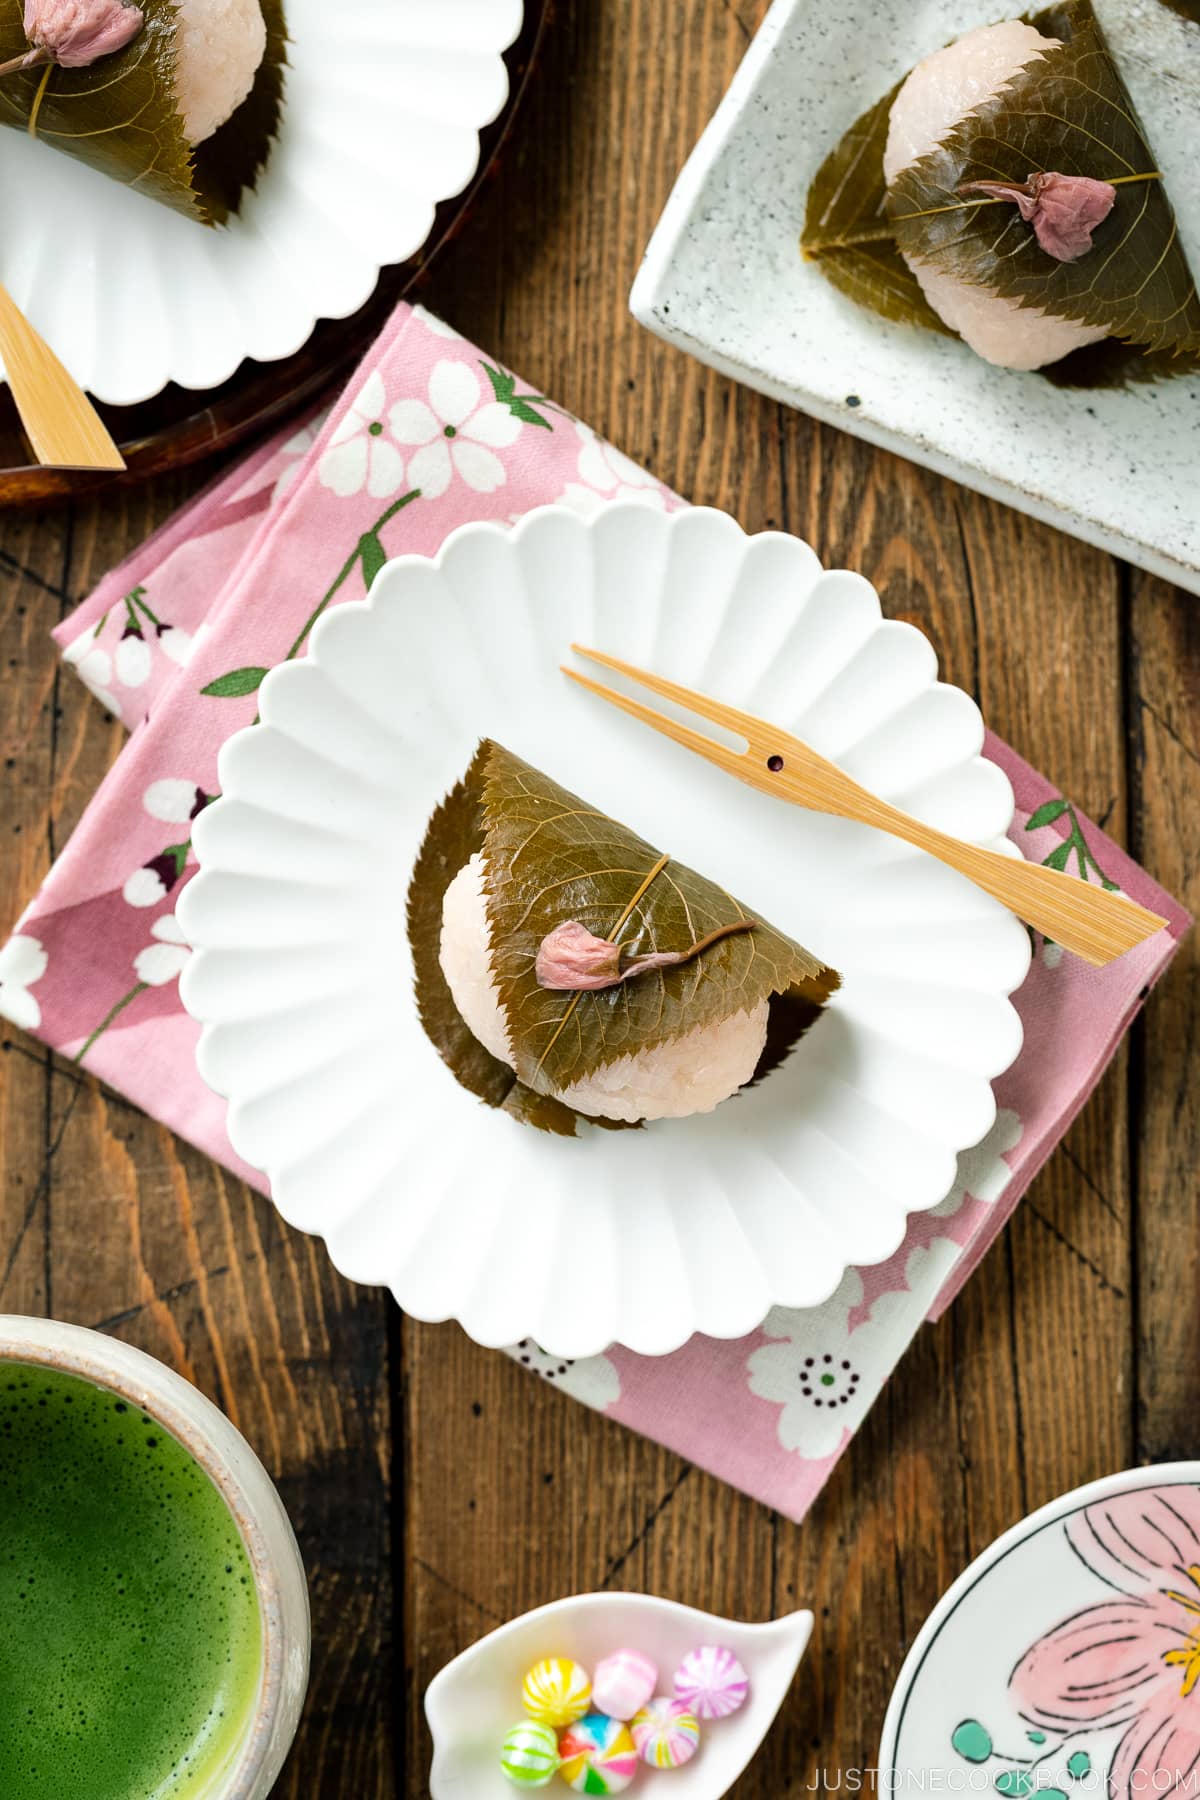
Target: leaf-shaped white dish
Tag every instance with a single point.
(475, 1699)
(383, 104)
(302, 972)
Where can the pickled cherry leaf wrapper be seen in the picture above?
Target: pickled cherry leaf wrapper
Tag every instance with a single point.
(846, 227)
(549, 857)
(851, 233)
(1066, 111)
(119, 115)
(454, 834)
(544, 1112)
(1111, 364)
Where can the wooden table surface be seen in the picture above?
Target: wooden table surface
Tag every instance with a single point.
(437, 1488)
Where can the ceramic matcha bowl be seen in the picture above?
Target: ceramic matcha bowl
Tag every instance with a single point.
(160, 1625)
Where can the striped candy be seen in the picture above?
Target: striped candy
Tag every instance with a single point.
(597, 1755)
(530, 1755)
(623, 1683)
(711, 1681)
(556, 1691)
(665, 1733)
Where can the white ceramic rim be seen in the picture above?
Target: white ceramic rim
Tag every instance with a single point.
(189, 1416)
(1174, 1474)
(596, 1602)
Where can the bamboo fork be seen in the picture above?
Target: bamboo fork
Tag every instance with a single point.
(1096, 924)
(63, 426)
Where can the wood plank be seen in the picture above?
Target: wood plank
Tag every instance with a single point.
(1050, 658)
(1164, 675)
(517, 1494)
(33, 567)
(155, 1244)
(134, 1233)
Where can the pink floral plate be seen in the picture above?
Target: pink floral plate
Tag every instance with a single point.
(1066, 1660)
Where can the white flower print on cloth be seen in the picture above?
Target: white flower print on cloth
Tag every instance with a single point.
(22, 963)
(456, 432)
(94, 667)
(161, 961)
(360, 454)
(982, 1170)
(606, 474)
(176, 644)
(133, 660)
(134, 655)
(823, 1375)
(175, 801)
(119, 652)
(592, 1379)
(151, 883)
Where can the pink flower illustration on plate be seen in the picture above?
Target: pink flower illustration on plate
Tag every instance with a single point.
(1133, 1660)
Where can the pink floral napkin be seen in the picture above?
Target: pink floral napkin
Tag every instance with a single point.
(430, 434)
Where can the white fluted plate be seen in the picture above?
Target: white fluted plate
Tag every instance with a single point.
(302, 974)
(475, 1700)
(383, 104)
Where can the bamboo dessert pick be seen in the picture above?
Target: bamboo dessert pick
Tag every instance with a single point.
(63, 426)
(1097, 925)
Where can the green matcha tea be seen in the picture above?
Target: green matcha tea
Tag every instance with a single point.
(130, 1634)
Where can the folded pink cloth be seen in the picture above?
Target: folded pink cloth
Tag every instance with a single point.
(430, 434)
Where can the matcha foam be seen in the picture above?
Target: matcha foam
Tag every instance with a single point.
(130, 1633)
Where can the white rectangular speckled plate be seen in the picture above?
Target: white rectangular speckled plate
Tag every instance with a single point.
(723, 279)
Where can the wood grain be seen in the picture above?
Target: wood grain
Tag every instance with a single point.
(1163, 722)
(438, 1488)
(107, 1220)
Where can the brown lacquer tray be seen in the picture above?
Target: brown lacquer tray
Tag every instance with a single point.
(182, 425)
